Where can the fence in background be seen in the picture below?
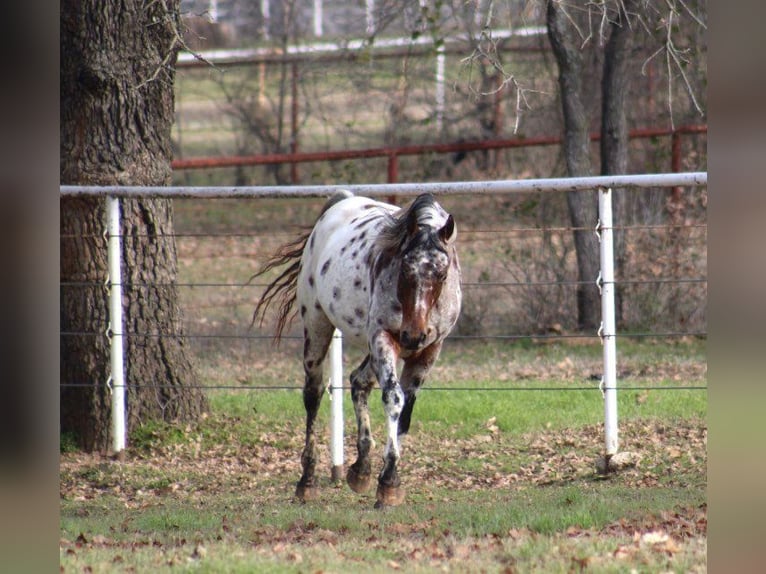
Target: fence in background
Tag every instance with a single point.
(605, 281)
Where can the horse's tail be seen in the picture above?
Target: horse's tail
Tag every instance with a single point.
(284, 287)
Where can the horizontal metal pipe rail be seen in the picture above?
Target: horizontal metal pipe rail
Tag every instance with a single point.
(508, 186)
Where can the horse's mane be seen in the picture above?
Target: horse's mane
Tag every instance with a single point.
(283, 288)
(399, 226)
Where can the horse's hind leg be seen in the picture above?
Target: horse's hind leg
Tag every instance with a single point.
(362, 381)
(315, 344)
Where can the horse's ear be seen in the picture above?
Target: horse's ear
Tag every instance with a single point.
(448, 233)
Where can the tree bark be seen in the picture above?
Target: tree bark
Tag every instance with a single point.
(615, 89)
(116, 111)
(583, 206)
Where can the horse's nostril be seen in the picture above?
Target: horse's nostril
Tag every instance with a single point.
(411, 342)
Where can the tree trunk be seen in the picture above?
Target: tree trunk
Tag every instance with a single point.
(116, 111)
(615, 89)
(583, 206)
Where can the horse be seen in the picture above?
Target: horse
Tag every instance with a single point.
(389, 279)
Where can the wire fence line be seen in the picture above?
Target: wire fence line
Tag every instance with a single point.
(477, 388)
(469, 284)
(505, 231)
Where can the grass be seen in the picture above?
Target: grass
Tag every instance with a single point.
(496, 480)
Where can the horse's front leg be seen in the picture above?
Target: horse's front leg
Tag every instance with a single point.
(416, 369)
(385, 352)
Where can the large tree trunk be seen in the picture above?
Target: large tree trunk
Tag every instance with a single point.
(615, 89)
(583, 207)
(116, 110)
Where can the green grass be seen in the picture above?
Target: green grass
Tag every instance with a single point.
(495, 479)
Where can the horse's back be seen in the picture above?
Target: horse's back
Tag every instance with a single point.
(334, 282)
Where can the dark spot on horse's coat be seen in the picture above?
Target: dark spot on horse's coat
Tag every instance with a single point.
(351, 241)
(342, 250)
(396, 307)
(354, 220)
(325, 267)
(311, 243)
(362, 235)
(380, 321)
(317, 305)
(359, 312)
(310, 364)
(353, 255)
(311, 280)
(303, 310)
(357, 282)
(336, 293)
(349, 321)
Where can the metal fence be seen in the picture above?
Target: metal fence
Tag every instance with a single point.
(606, 282)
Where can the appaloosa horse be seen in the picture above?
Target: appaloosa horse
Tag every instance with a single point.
(389, 279)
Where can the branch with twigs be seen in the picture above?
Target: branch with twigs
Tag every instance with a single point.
(177, 43)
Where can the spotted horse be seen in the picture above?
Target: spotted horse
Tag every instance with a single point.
(389, 279)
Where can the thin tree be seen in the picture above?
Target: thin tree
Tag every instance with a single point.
(116, 111)
(566, 44)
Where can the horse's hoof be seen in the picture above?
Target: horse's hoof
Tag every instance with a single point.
(389, 496)
(305, 493)
(358, 482)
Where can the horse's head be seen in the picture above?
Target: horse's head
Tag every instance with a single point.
(425, 261)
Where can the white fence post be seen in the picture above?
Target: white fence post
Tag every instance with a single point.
(117, 376)
(336, 400)
(440, 61)
(608, 330)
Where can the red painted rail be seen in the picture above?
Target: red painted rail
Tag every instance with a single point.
(393, 152)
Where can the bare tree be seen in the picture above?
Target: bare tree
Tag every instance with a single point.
(614, 27)
(116, 98)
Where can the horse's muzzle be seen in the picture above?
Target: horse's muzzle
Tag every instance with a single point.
(412, 342)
